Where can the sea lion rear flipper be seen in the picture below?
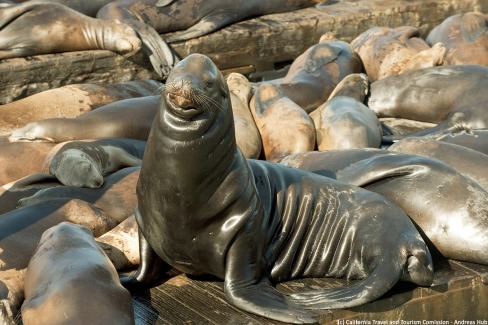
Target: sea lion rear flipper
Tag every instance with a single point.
(162, 57)
(151, 266)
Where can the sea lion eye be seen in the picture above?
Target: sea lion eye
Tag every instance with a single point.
(209, 84)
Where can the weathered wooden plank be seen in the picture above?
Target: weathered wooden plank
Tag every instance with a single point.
(253, 46)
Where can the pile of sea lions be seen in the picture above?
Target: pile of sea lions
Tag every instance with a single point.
(367, 161)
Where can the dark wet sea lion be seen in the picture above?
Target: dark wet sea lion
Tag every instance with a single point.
(70, 280)
(252, 223)
(468, 162)
(449, 208)
(316, 72)
(465, 37)
(69, 31)
(431, 95)
(343, 121)
(69, 101)
(129, 118)
(194, 18)
(86, 163)
(387, 51)
(285, 128)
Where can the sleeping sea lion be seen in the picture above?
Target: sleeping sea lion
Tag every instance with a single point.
(253, 223)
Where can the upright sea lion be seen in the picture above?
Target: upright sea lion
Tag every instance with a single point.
(86, 163)
(430, 95)
(284, 126)
(387, 51)
(343, 121)
(128, 118)
(253, 222)
(316, 72)
(465, 37)
(70, 101)
(195, 18)
(70, 280)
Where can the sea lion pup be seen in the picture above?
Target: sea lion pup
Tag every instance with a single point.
(465, 37)
(70, 280)
(247, 134)
(127, 118)
(59, 29)
(86, 163)
(69, 101)
(190, 19)
(430, 95)
(316, 72)
(253, 223)
(343, 121)
(387, 51)
(284, 126)
(116, 197)
(20, 231)
(468, 162)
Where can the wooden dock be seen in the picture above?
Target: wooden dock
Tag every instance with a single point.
(254, 47)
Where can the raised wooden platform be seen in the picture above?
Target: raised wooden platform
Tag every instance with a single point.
(254, 47)
(460, 292)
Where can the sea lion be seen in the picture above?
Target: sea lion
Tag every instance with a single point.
(468, 162)
(430, 95)
(20, 231)
(69, 101)
(252, 222)
(247, 134)
(473, 139)
(190, 19)
(116, 197)
(89, 8)
(449, 208)
(127, 118)
(22, 159)
(86, 163)
(316, 72)
(284, 126)
(465, 37)
(343, 121)
(70, 280)
(387, 51)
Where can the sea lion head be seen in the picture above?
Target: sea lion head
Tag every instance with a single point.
(75, 168)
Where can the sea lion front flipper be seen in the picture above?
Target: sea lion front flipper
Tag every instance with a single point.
(162, 57)
(164, 3)
(245, 287)
(208, 24)
(151, 267)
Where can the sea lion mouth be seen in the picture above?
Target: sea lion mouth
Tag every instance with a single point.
(182, 105)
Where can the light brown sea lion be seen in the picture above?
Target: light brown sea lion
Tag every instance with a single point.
(116, 197)
(69, 101)
(387, 51)
(343, 121)
(195, 18)
(70, 280)
(121, 244)
(284, 126)
(247, 134)
(253, 223)
(468, 162)
(465, 37)
(315, 73)
(431, 95)
(127, 118)
(20, 231)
